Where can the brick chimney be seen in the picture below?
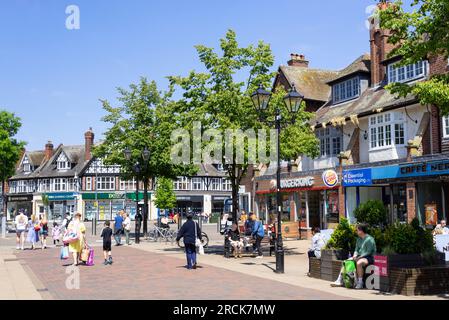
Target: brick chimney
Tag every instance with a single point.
(298, 60)
(88, 143)
(49, 150)
(379, 46)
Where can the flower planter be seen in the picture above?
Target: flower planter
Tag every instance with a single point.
(396, 262)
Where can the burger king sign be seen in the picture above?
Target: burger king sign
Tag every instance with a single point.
(330, 178)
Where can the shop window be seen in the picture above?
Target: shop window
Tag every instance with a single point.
(386, 130)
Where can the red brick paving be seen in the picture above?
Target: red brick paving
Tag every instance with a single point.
(138, 274)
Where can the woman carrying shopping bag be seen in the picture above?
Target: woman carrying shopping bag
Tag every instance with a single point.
(76, 243)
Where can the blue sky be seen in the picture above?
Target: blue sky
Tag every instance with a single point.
(53, 78)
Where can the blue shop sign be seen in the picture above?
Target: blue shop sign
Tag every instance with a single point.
(418, 169)
(356, 178)
(61, 196)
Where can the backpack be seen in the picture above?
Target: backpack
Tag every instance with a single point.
(349, 273)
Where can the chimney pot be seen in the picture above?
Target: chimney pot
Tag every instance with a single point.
(48, 150)
(88, 143)
(298, 60)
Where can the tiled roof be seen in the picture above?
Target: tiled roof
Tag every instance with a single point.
(76, 157)
(370, 101)
(311, 83)
(361, 64)
(209, 171)
(36, 157)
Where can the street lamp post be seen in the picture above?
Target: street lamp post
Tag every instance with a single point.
(293, 100)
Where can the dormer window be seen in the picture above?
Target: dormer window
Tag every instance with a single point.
(406, 73)
(346, 90)
(26, 165)
(63, 163)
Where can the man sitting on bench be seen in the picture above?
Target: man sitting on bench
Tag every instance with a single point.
(363, 255)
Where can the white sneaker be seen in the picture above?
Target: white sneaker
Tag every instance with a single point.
(17, 248)
(359, 285)
(259, 257)
(337, 284)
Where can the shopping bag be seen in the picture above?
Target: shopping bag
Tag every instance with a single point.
(64, 253)
(90, 259)
(70, 237)
(85, 254)
(349, 272)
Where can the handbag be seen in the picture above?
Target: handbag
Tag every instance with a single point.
(198, 242)
(64, 253)
(37, 227)
(349, 270)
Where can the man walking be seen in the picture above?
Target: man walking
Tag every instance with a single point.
(138, 219)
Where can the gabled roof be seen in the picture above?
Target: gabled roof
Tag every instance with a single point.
(208, 170)
(311, 83)
(76, 157)
(36, 158)
(360, 65)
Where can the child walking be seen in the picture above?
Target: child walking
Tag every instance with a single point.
(106, 234)
(56, 233)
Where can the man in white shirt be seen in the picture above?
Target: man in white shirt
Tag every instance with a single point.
(445, 228)
(21, 222)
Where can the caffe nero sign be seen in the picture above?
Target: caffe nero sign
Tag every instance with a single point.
(425, 168)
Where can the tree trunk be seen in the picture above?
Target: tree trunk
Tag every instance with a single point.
(4, 199)
(145, 207)
(235, 200)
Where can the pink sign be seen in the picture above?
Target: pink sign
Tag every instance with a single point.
(381, 262)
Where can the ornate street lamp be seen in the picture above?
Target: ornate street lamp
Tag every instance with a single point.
(292, 100)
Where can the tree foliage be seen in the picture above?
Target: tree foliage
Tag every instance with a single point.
(10, 147)
(141, 121)
(419, 33)
(165, 196)
(219, 98)
(372, 212)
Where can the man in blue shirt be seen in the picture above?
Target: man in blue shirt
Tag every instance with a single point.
(118, 228)
(257, 233)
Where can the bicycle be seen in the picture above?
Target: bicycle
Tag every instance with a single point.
(160, 234)
(204, 241)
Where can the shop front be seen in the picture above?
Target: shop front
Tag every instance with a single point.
(187, 203)
(105, 206)
(417, 189)
(59, 204)
(19, 202)
(312, 200)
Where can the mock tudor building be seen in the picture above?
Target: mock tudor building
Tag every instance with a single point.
(373, 145)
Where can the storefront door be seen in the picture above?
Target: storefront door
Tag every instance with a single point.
(399, 202)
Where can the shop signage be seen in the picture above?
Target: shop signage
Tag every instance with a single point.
(103, 196)
(381, 264)
(442, 244)
(355, 178)
(19, 198)
(330, 178)
(297, 183)
(61, 196)
(412, 170)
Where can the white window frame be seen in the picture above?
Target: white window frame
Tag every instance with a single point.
(105, 183)
(215, 184)
(126, 185)
(445, 120)
(407, 73)
(328, 142)
(197, 184)
(346, 90)
(382, 128)
(88, 183)
(226, 184)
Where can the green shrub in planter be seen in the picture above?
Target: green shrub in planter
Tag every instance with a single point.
(372, 212)
(344, 237)
(379, 237)
(409, 238)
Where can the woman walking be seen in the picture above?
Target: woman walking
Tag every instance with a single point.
(190, 231)
(33, 231)
(126, 227)
(21, 226)
(43, 232)
(77, 227)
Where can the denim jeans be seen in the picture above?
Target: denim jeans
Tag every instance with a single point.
(190, 255)
(118, 236)
(127, 236)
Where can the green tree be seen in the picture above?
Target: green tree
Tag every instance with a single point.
(141, 121)
(10, 148)
(372, 212)
(420, 33)
(219, 98)
(165, 196)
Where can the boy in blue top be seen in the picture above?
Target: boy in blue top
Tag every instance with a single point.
(257, 233)
(118, 226)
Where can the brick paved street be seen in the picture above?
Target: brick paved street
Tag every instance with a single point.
(136, 274)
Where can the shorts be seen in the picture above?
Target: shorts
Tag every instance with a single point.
(370, 259)
(19, 232)
(43, 232)
(106, 246)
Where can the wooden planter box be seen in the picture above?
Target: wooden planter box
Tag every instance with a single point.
(315, 268)
(419, 281)
(290, 230)
(331, 264)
